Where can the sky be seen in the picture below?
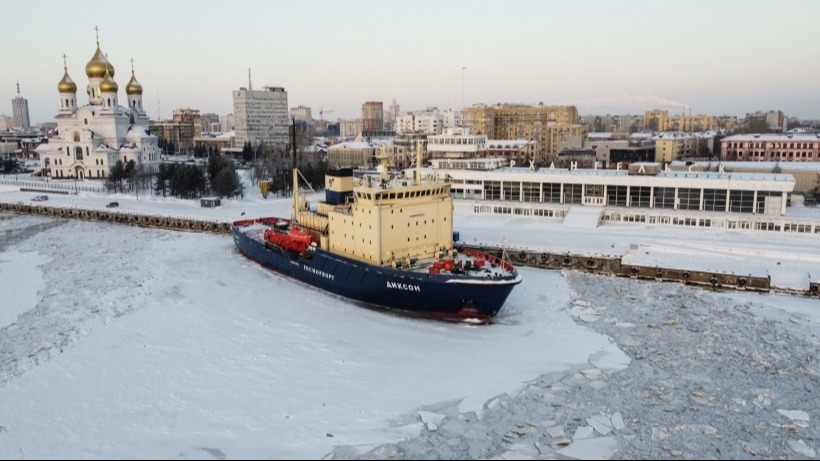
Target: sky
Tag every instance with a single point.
(151, 344)
(703, 57)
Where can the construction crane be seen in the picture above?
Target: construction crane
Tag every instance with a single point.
(322, 113)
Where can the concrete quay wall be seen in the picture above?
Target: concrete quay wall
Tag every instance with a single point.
(608, 265)
(121, 217)
(613, 265)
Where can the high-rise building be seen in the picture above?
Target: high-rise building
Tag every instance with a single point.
(393, 111)
(261, 116)
(373, 116)
(19, 109)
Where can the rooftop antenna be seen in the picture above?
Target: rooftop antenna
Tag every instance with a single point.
(18, 88)
(159, 108)
(250, 85)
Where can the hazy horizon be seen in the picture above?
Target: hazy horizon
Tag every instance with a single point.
(715, 58)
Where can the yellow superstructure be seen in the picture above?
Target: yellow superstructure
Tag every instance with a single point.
(387, 221)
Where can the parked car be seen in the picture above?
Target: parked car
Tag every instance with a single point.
(112, 204)
(39, 198)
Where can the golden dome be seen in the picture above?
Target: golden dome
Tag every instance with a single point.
(133, 86)
(108, 85)
(98, 65)
(66, 85)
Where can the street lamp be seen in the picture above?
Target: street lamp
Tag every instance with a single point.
(255, 176)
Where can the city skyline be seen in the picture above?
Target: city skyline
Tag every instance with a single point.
(725, 58)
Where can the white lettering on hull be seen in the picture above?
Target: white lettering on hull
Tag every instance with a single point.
(318, 272)
(403, 286)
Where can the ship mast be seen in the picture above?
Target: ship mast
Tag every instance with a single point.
(417, 179)
(295, 172)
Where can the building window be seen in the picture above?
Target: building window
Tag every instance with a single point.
(639, 196)
(741, 201)
(552, 193)
(492, 190)
(688, 199)
(616, 195)
(714, 199)
(573, 193)
(665, 197)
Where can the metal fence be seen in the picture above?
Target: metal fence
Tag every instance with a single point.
(56, 185)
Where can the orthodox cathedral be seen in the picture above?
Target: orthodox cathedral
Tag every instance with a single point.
(92, 138)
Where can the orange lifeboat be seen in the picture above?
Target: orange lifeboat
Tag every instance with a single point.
(295, 239)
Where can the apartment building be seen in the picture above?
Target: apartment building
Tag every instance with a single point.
(190, 123)
(210, 123)
(351, 154)
(302, 113)
(660, 120)
(773, 147)
(373, 116)
(350, 128)
(430, 121)
(624, 123)
(673, 145)
(551, 127)
(773, 120)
